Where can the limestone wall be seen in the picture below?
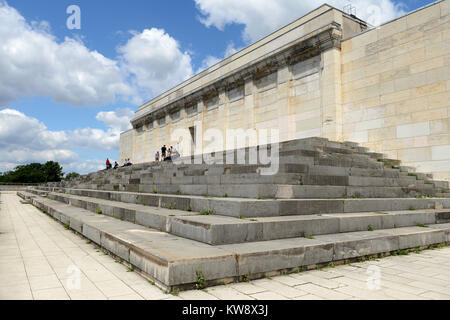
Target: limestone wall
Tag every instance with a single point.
(396, 89)
(127, 145)
(289, 100)
(387, 88)
(276, 41)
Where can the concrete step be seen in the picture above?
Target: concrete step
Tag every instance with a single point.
(279, 191)
(250, 208)
(214, 229)
(175, 262)
(153, 217)
(293, 178)
(217, 230)
(308, 147)
(268, 191)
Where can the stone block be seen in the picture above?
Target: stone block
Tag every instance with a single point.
(413, 130)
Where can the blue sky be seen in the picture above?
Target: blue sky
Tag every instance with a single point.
(65, 94)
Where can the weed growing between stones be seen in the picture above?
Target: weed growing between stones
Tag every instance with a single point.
(421, 225)
(400, 252)
(200, 283)
(246, 277)
(417, 250)
(98, 211)
(175, 292)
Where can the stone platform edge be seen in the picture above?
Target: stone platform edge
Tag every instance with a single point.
(246, 261)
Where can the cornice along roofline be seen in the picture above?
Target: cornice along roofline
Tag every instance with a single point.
(321, 39)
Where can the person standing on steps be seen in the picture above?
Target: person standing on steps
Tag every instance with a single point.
(157, 156)
(108, 164)
(169, 155)
(163, 152)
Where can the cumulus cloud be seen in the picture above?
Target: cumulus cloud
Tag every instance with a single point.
(34, 63)
(155, 60)
(25, 139)
(120, 118)
(85, 166)
(17, 131)
(261, 17)
(212, 60)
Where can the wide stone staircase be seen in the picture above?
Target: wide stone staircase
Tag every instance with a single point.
(191, 225)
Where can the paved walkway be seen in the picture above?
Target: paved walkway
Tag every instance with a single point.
(40, 259)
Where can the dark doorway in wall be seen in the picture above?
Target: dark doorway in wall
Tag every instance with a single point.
(192, 132)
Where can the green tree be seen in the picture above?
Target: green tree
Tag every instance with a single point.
(34, 173)
(53, 171)
(71, 176)
(30, 173)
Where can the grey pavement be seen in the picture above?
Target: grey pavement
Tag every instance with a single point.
(41, 260)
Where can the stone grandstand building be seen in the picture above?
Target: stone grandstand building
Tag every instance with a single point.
(327, 74)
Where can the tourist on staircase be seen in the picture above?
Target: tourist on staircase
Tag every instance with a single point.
(108, 164)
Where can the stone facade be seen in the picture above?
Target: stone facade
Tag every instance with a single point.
(396, 89)
(326, 74)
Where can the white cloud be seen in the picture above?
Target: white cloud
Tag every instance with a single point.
(208, 62)
(211, 60)
(230, 50)
(34, 63)
(24, 139)
(85, 166)
(120, 118)
(156, 60)
(17, 130)
(261, 17)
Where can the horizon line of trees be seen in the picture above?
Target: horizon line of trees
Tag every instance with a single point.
(50, 171)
